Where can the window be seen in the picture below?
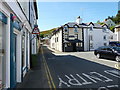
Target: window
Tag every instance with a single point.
(57, 39)
(104, 29)
(76, 36)
(111, 37)
(109, 49)
(68, 44)
(76, 29)
(105, 44)
(66, 29)
(91, 28)
(66, 36)
(91, 38)
(105, 37)
(91, 45)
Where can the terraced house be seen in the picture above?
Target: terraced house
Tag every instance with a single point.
(117, 32)
(17, 20)
(78, 36)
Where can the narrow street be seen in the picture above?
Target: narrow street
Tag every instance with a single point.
(68, 71)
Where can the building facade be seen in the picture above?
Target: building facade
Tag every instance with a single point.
(15, 36)
(76, 36)
(109, 23)
(117, 32)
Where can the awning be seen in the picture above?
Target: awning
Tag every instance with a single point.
(72, 41)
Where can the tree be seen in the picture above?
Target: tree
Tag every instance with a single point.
(42, 35)
(112, 28)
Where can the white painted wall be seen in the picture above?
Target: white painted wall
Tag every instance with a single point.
(4, 10)
(56, 45)
(117, 33)
(18, 55)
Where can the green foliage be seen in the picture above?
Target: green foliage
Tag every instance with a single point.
(42, 35)
(112, 28)
(46, 33)
(116, 18)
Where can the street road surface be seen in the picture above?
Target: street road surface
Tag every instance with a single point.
(71, 71)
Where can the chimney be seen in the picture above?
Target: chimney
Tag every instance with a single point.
(78, 20)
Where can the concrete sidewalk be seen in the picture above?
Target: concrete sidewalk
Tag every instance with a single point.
(36, 77)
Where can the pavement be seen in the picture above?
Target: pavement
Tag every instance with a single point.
(72, 70)
(36, 77)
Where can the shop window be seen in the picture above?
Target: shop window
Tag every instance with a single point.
(69, 44)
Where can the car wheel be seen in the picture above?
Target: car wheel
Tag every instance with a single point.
(98, 55)
(117, 58)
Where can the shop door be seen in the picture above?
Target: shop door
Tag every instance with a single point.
(13, 63)
(74, 47)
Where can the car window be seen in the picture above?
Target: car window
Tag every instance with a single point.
(109, 49)
(116, 48)
(103, 48)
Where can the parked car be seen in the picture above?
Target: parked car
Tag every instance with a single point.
(114, 43)
(111, 52)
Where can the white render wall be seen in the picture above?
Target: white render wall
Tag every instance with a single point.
(56, 45)
(4, 10)
(117, 33)
(98, 38)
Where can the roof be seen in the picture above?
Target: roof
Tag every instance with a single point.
(84, 25)
(117, 26)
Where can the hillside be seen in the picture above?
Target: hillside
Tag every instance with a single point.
(46, 32)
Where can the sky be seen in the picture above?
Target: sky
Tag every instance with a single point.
(55, 14)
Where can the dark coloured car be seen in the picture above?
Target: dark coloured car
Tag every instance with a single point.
(111, 52)
(114, 43)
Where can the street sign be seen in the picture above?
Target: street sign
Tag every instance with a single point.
(35, 31)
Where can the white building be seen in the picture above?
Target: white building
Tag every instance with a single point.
(15, 31)
(117, 32)
(109, 23)
(75, 36)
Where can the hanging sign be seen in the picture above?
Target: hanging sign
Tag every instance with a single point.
(35, 31)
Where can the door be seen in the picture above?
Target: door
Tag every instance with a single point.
(13, 63)
(109, 53)
(74, 47)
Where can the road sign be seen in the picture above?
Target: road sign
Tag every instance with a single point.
(36, 31)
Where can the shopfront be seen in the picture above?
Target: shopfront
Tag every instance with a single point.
(15, 52)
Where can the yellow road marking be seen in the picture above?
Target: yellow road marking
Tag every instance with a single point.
(49, 77)
(117, 66)
(50, 86)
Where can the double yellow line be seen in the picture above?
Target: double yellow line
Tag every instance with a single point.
(117, 66)
(48, 74)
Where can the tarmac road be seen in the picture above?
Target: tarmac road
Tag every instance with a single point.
(69, 71)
